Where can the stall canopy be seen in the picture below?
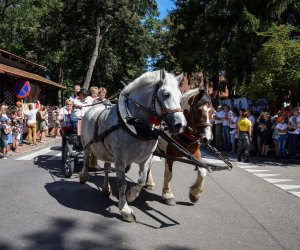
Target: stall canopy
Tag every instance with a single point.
(7, 70)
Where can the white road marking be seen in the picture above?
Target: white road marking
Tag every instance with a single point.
(250, 166)
(35, 154)
(259, 173)
(265, 175)
(287, 187)
(256, 170)
(295, 193)
(213, 161)
(276, 180)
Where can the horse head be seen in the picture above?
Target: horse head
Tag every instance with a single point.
(199, 114)
(158, 94)
(167, 106)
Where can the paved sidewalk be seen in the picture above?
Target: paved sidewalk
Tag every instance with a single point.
(25, 148)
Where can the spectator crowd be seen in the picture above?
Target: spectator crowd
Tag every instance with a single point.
(266, 134)
(34, 119)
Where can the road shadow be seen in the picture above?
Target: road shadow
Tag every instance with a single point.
(76, 196)
(5, 246)
(54, 166)
(81, 197)
(58, 235)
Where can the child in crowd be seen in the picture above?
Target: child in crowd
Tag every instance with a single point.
(6, 136)
(265, 134)
(281, 128)
(55, 115)
(94, 92)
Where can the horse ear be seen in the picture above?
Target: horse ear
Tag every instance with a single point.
(179, 78)
(162, 74)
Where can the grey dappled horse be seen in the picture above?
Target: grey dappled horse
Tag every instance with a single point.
(154, 94)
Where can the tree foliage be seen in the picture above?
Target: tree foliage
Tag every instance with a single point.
(61, 35)
(276, 74)
(222, 37)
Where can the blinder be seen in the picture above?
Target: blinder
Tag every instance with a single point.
(195, 103)
(164, 110)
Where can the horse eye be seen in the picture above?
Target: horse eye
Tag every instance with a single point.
(166, 95)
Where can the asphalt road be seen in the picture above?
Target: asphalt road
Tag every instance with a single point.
(239, 209)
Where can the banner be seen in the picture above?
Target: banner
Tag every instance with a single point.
(241, 103)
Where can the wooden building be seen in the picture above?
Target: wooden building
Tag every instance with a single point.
(14, 68)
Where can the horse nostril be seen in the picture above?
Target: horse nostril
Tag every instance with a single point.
(205, 140)
(178, 126)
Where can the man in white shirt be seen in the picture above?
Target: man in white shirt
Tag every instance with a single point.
(225, 129)
(293, 132)
(75, 93)
(80, 106)
(219, 125)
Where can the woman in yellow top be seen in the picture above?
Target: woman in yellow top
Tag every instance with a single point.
(244, 135)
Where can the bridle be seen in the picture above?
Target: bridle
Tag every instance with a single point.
(165, 111)
(152, 110)
(195, 111)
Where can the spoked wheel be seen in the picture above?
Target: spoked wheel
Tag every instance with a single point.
(67, 161)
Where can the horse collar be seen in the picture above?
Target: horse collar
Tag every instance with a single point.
(137, 128)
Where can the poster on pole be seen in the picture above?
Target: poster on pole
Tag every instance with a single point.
(241, 103)
(22, 89)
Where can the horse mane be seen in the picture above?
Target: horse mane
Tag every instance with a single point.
(187, 95)
(148, 78)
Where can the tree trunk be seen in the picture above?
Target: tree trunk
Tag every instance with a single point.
(96, 52)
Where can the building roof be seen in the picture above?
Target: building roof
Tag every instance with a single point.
(4, 69)
(19, 59)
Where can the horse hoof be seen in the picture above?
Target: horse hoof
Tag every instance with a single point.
(170, 202)
(83, 179)
(129, 218)
(194, 198)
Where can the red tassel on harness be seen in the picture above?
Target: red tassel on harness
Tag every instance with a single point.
(154, 120)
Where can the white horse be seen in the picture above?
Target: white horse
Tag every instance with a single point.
(151, 97)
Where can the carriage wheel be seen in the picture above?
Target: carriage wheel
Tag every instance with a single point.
(68, 162)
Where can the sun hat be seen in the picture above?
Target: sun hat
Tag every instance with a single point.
(83, 91)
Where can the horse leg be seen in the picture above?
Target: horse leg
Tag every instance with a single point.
(84, 174)
(92, 161)
(167, 194)
(150, 185)
(125, 210)
(134, 191)
(197, 188)
(106, 187)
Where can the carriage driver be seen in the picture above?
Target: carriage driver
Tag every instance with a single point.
(64, 117)
(80, 106)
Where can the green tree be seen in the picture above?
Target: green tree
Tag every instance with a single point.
(220, 36)
(61, 34)
(276, 73)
